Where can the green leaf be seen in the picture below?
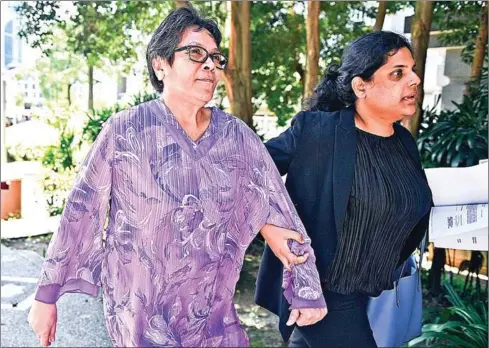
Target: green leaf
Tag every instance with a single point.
(470, 141)
(451, 340)
(460, 139)
(456, 161)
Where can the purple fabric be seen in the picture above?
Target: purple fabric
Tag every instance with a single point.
(182, 214)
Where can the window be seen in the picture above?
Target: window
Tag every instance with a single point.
(9, 43)
(408, 22)
(121, 86)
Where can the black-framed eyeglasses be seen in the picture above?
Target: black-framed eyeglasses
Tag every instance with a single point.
(199, 55)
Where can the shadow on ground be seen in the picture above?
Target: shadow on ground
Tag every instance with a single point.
(260, 324)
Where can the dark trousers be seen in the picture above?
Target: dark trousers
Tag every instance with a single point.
(345, 325)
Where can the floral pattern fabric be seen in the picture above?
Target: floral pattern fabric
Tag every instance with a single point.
(182, 214)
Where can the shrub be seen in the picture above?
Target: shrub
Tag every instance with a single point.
(460, 325)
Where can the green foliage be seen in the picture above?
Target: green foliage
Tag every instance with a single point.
(38, 21)
(216, 10)
(12, 216)
(59, 70)
(279, 42)
(394, 6)
(57, 185)
(58, 160)
(95, 29)
(460, 325)
(338, 16)
(96, 121)
(22, 152)
(456, 138)
(59, 167)
(457, 281)
(60, 157)
(277, 69)
(60, 170)
(100, 30)
(106, 29)
(98, 117)
(460, 22)
(142, 98)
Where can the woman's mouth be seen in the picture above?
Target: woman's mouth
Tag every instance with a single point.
(206, 80)
(411, 98)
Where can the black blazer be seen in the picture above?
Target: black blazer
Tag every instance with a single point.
(318, 154)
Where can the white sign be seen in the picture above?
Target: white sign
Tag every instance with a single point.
(457, 186)
(462, 227)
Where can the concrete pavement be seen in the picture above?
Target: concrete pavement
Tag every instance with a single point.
(80, 317)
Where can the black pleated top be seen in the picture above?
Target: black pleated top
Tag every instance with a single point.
(389, 197)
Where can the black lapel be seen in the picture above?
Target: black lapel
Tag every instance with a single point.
(343, 164)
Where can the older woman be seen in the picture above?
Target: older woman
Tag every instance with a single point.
(355, 177)
(189, 187)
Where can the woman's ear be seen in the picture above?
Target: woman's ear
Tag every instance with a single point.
(359, 87)
(159, 68)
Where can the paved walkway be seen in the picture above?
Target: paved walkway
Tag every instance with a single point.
(80, 317)
(17, 228)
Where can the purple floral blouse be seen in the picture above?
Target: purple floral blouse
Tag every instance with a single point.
(182, 214)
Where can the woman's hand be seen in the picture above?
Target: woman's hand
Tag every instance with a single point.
(276, 238)
(306, 316)
(42, 319)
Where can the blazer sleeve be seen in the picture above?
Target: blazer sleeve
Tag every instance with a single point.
(283, 148)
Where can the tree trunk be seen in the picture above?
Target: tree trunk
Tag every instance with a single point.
(300, 70)
(479, 54)
(181, 4)
(68, 93)
(420, 37)
(379, 19)
(238, 70)
(437, 267)
(90, 87)
(312, 35)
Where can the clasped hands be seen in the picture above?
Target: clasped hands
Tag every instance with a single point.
(277, 239)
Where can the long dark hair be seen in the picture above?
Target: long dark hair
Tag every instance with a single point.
(361, 58)
(168, 34)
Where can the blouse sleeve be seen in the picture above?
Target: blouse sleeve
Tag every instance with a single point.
(74, 256)
(302, 286)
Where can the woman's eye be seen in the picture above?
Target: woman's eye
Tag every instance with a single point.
(397, 73)
(196, 51)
